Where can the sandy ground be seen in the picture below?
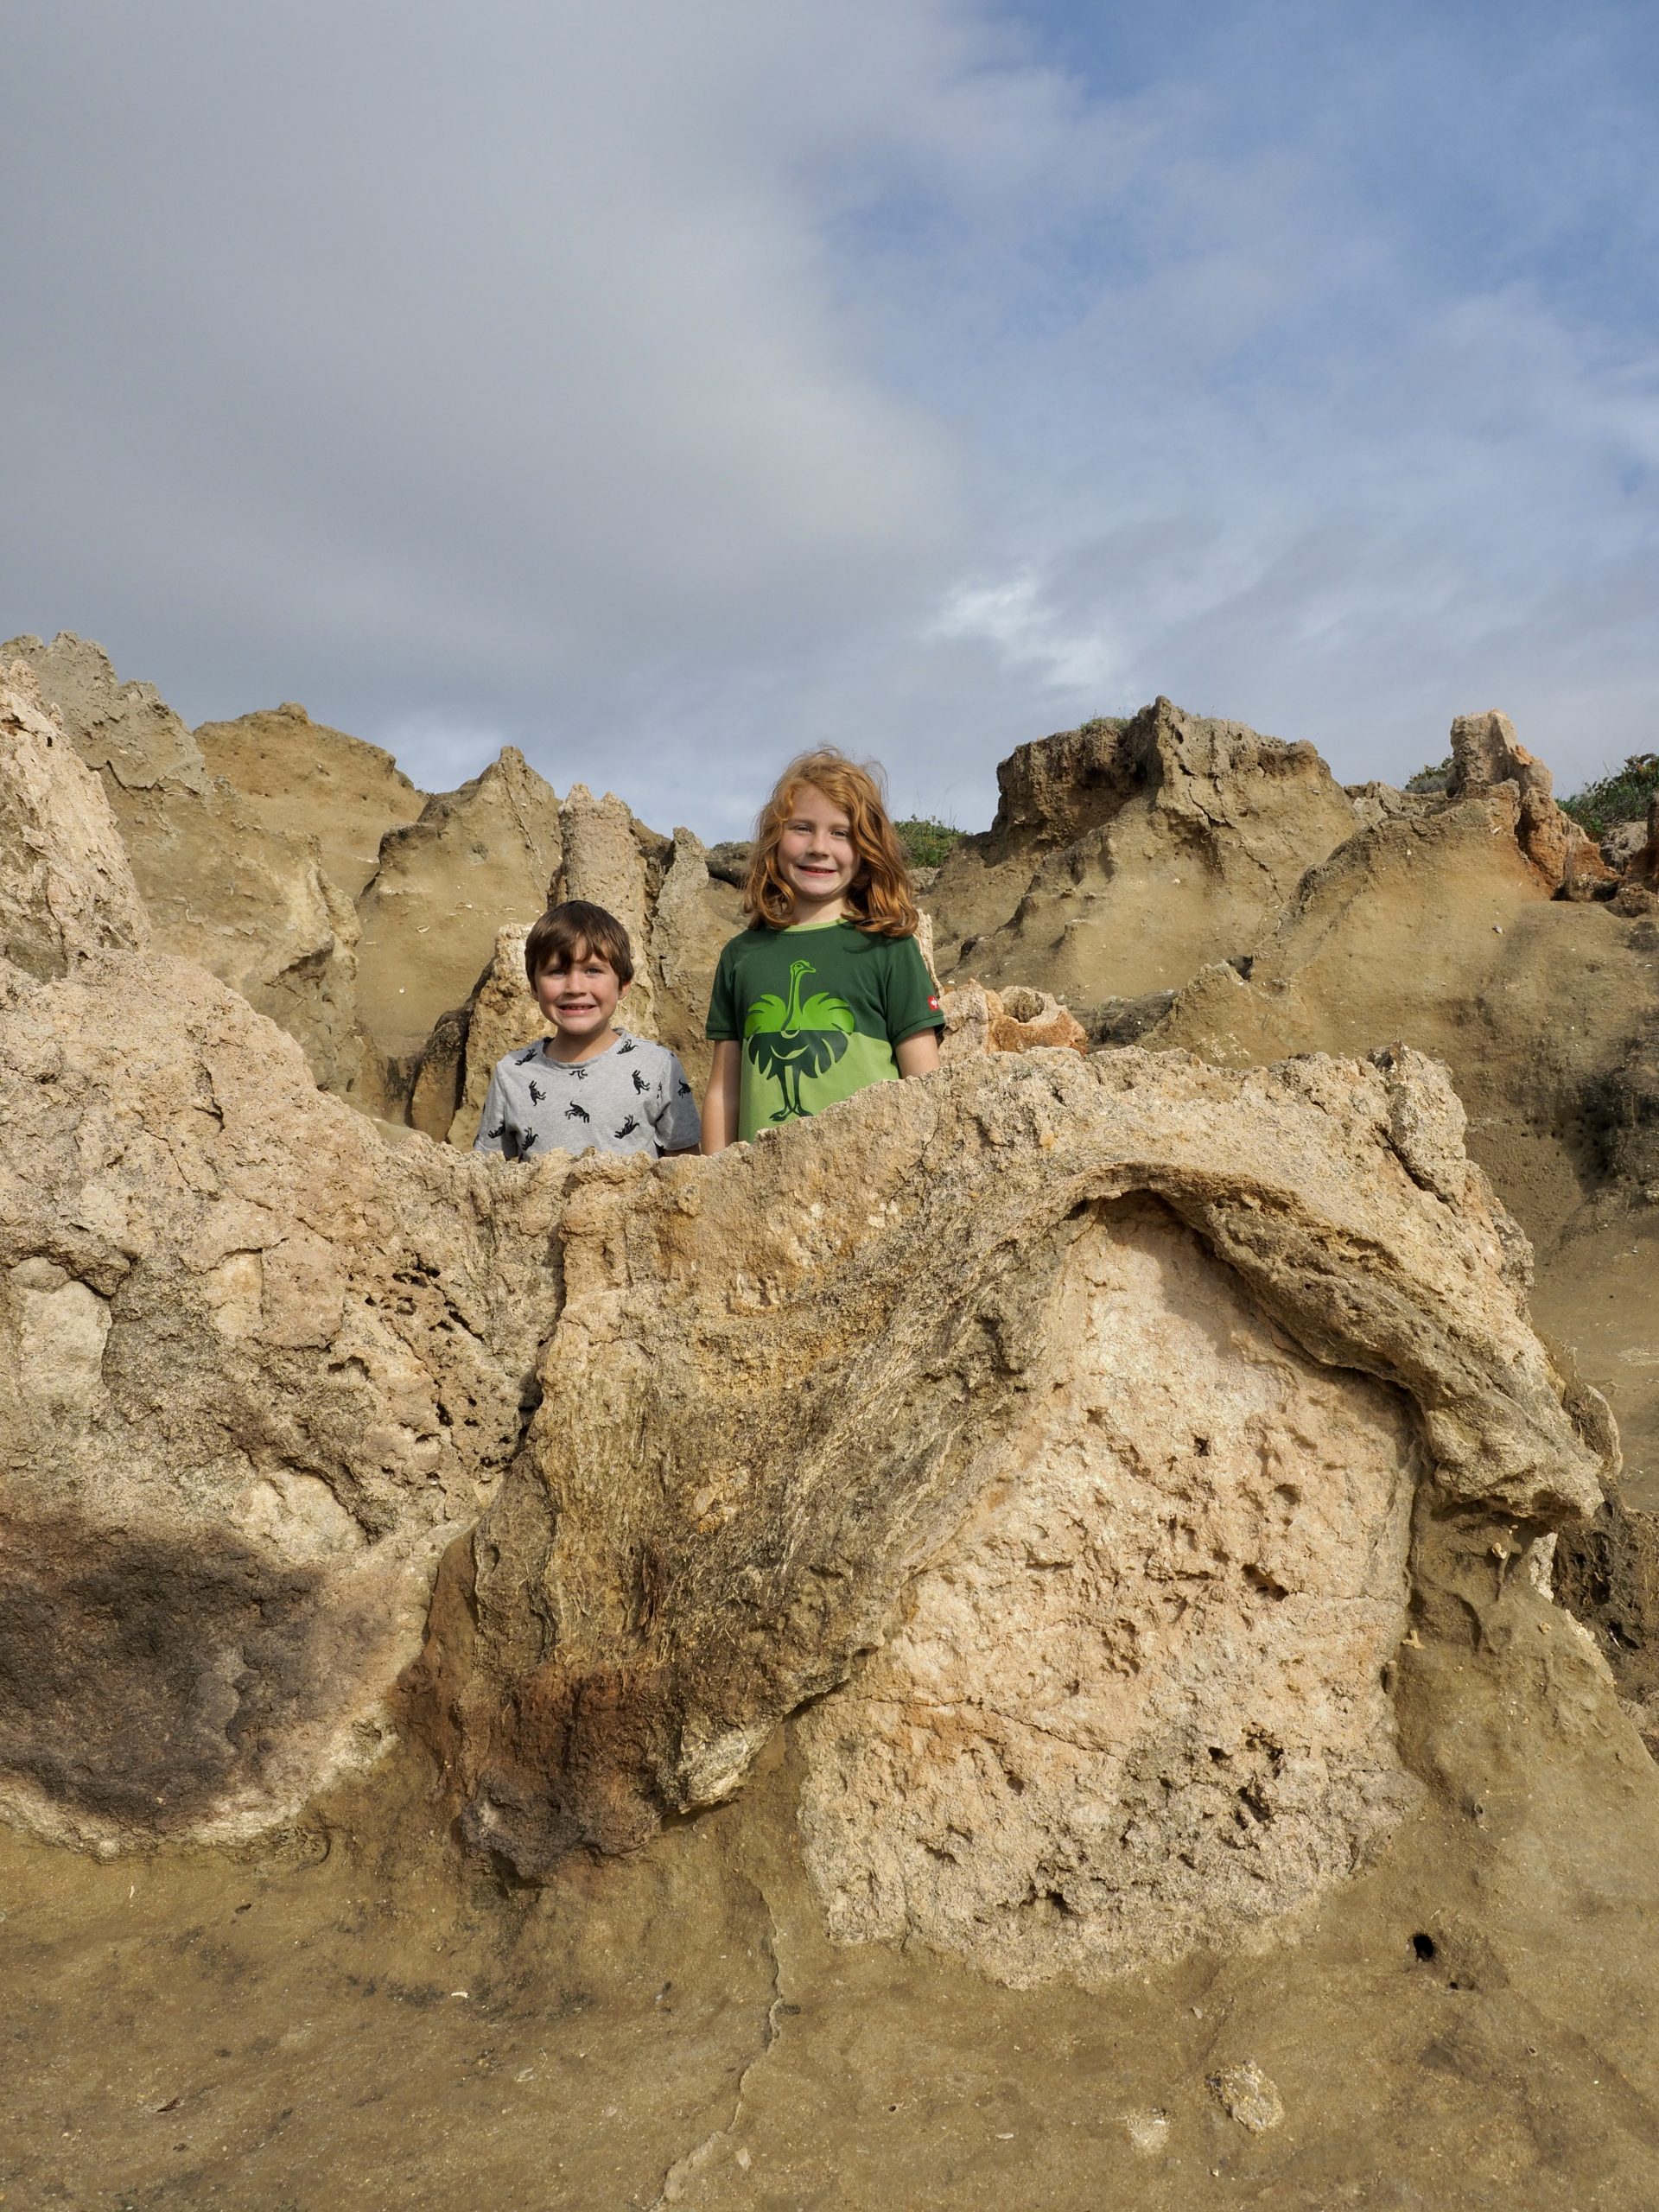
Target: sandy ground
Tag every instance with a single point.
(348, 2018)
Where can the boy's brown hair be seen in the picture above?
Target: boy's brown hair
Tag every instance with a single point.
(578, 931)
(880, 898)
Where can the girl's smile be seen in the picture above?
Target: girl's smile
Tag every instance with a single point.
(817, 856)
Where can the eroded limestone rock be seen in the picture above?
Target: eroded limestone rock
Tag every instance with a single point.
(1125, 854)
(1019, 1020)
(1489, 761)
(127, 732)
(1052, 1429)
(608, 861)
(66, 892)
(300, 779)
(475, 861)
(222, 884)
(1192, 1574)
(503, 1013)
(694, 914)
(255, 1370)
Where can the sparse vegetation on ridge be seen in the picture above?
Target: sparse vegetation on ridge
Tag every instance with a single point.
(1620, 798)
(927, 842)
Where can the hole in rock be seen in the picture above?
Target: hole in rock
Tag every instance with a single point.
(1268, 1585)
(1425, 1946)
(1253, 1799)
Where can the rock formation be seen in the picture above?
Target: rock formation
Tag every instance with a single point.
(1066, 1450)
(693, 914)
(1052, 1431)
(1487, 761)
(1638, 891)
(300, 778)
(1125, 854)
(300, 865)
(500, 1014)
(1045, 1434)
(126, 731)
(66, 892)
(476, 859)
(222, 886)
(256, 1368)
(1017, 1020)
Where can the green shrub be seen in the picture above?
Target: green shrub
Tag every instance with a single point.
(1431, 779)
(927, 843)
(1622, 797)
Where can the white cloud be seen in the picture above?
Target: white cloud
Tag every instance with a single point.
(663, 388)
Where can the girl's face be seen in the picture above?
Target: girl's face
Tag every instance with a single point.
(817, 856)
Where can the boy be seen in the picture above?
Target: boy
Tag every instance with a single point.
(589, 1084)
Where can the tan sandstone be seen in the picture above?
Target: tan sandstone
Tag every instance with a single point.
(476, 860)
(255, 1369)
(66, 892)
(1052, 1429)
(1125, 854)
(222, 886)
(299, 777)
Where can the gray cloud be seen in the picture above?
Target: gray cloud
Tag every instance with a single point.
(662, 389)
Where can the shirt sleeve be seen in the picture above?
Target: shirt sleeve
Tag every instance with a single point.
(493, 1133)
(912, 1003)
(674, 1116)
(723, 1026)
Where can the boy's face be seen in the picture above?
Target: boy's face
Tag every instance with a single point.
(578, 997)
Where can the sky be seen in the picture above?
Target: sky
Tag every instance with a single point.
(664, 389)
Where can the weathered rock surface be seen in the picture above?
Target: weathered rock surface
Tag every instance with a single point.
(66, 892)
(1438, 928)
(1638, 891)
(502, 1013)
(613, 861)
(1056, 1423)
(249, 902)
(1125, 854)
(476, 860)
(255, 1369)
(126, 731)
(300, 778)
(1019, 1020)
(1487, 758)
(693, 914)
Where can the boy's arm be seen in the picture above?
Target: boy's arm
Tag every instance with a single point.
(720, 1100)
(674, 1118)
(493, 1122)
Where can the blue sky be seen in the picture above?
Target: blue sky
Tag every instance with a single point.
(661, 390)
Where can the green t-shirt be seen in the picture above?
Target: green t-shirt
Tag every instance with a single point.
(818, 1009)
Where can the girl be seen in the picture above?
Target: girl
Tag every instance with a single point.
(827, 990)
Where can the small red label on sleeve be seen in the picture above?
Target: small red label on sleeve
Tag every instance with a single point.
(934, 1004)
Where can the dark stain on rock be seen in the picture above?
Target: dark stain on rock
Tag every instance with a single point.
(143, 1676)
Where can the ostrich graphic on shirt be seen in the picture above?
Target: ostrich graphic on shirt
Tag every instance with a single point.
(787, 1040)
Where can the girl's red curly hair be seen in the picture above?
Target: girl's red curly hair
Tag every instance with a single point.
(880, 898)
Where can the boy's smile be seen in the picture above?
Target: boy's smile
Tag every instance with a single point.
(580, 1001)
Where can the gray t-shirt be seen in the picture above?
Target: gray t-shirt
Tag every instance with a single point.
(632, 1098)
